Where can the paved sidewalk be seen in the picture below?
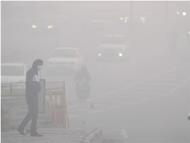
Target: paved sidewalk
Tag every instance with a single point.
(50, 135)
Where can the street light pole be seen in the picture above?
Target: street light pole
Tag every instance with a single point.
(131, 22)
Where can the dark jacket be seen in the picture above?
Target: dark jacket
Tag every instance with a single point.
(31, 85)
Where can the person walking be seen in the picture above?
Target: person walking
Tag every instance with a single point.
(32, 89)
(82, 80)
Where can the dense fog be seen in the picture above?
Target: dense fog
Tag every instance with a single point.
(136, 55)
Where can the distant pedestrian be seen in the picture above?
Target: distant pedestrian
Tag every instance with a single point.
(32, 89)
(82, 80)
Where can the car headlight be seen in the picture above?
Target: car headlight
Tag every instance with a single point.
(99, 54)
(188, 33)
(120, 54)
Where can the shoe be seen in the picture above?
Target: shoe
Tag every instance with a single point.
(36, 134)
(21, 131)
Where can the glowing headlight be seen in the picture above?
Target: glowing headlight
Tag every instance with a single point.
(99, 54)
(50, 26)
(120, 54)
(184, 13)
(34, 26)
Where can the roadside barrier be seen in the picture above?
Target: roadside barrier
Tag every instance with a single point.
(57, 104)
(52, 104)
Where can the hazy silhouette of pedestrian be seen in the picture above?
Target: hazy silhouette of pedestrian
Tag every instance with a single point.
(188, 117)
(32, 89)
(82, 80)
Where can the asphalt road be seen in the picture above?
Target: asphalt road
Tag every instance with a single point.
(150, 108)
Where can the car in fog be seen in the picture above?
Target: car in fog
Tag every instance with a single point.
(64, 60)
(13, 72)
(13, 78)
(111, 52)
(113, 47)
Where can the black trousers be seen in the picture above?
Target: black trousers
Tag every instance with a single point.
(32, 115)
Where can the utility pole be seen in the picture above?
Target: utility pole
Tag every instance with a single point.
(131, 26)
